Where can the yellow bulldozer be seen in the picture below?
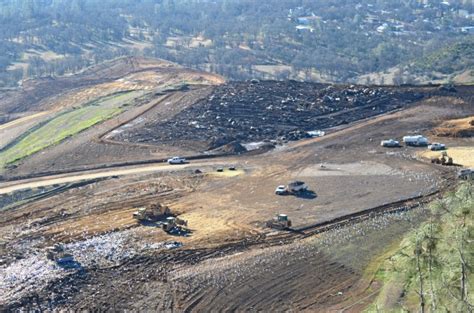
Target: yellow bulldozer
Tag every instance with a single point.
(175, 225)
(443, 159)
(280, 221)
(152, 213)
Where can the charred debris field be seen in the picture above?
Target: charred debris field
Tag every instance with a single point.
(255, 111)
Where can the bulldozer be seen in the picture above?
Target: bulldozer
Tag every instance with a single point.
(152, 213)
(175, 225)
(280, 221)
(443, 159)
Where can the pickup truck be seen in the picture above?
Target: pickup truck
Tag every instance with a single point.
(390, 143)
(176, 160)
(435, 146)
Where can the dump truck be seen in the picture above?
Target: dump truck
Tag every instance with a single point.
(443, 159)
(416, 141)
(293, 187)
(280, 221)
(58, 254)
(175, 225)
(152, 213)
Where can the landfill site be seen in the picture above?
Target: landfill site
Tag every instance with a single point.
(200, 193)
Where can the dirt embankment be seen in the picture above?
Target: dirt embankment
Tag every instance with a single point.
(463, 127)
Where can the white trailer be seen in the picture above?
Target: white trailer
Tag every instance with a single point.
(417, 141)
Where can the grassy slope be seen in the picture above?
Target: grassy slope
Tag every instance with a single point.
(440, 245)
(450, 59)
(65, 125)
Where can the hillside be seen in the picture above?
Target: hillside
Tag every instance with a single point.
(326, 41)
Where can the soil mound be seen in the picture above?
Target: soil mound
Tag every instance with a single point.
(456, 128)
(233, 147)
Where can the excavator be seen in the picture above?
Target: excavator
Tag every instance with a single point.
(443, 159)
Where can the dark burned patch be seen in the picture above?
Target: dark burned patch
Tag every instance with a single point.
(251, 112)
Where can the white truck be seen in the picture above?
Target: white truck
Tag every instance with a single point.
(390, 143)
(416, 141)
(294, 187)
(176, 160)
(436, 146)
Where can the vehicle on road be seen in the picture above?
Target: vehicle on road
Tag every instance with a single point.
(416, 141)
(390, 143)
(176, 160)
(436, 146)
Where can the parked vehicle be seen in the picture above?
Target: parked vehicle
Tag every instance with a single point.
(435, 146)
(176, 160)
(390, 143)
(280, 190)
(467, 173)
(294, 187)
(416, 141)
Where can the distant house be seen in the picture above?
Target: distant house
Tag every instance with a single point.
(303, 20)
(306, 20)
(382, 28)
(303, 28)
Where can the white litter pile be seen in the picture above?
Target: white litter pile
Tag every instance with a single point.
(34, 272)
(110, 249)
(26, 275)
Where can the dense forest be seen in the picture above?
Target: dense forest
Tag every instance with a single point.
(334, 40)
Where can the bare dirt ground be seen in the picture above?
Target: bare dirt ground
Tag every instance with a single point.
(230, 261)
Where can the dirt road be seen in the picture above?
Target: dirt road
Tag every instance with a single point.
(87, 175)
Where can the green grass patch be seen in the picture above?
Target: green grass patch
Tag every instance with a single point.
(66, 125)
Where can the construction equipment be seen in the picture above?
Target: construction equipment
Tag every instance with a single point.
(58, 254)
(280, 221)
(443, 159)
(175, 226)
(467, 173)
(294, 187)
(152, 213)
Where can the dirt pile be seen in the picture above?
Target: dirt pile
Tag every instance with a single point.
(456, 128)
(256, 111)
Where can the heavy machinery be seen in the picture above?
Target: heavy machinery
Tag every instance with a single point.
(294, 187)
(58, 254)
(280, 221)
(466, 173)
(443, 159)
(175, 226)
(152, 213)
